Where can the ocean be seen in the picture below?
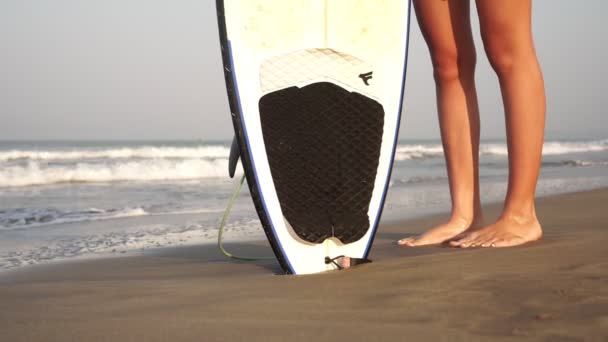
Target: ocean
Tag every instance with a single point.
(64, 200)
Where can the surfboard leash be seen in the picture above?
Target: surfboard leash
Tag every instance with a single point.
(235, 194)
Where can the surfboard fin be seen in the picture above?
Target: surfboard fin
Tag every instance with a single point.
(233, 160)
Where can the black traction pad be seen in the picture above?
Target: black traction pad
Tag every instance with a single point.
(323, 146)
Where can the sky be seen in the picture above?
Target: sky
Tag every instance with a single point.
(151, 70)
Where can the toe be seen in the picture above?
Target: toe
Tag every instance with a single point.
(457, 243)
(487, 242)
(478, 239)
(464, 241)
(482, 239)
(472, 243)
(468, 243)
(476, 242)
(499, 243)
(407, 241)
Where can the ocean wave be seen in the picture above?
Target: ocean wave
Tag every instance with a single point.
(131, 241)
(426, 151)
(21, 218)
(41, 173)
(417, 180)
(144, 152)
(404, 151)
(408, 152)
(575, 163)
(551, 148)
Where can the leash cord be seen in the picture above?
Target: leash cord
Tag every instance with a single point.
(220, 234)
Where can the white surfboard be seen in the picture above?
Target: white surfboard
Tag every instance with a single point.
(315, 90)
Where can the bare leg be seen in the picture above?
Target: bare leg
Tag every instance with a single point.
(507, 36)
(447, 30)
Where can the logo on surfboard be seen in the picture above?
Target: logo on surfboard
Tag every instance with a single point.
(366, 77)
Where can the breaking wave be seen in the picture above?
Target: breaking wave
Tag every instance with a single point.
(145, 152)
(28, 167)
(33, 217)
(40, 173)
(424, 151)
(576, 163)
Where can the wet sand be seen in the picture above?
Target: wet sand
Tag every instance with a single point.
(552, 290)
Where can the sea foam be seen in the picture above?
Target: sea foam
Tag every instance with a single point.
(20, 218)
(424, 151)
(41, 173)
(146, 152)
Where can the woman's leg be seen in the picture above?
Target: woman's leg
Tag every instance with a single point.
(507, 35)
(446, 28)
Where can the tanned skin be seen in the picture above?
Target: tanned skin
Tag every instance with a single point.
(507, 38)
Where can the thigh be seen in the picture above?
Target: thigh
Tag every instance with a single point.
(446, 27)
(506, 27)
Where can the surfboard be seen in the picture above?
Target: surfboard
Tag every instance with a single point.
(315, 90)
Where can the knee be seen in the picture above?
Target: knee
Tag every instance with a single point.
(501, 59)
(505, 56)
(450, 65)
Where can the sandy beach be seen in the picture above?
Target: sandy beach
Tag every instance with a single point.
(553, 290)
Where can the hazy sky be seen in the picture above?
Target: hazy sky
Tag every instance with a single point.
(151, 69)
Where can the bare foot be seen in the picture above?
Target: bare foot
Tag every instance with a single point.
(441, 233)
(508, 231)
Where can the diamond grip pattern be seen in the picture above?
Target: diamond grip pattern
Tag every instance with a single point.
(309, 65)
(323, 146)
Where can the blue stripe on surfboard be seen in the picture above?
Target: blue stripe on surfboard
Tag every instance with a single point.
(396, 138)
(255, 175)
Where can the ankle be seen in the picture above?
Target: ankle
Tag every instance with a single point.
(478, 217)
(520, 214)
(521, 218)
(460, 220)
